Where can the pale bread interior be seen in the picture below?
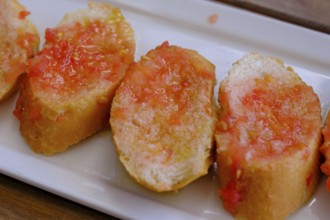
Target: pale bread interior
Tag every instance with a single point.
(161, 156)
(11, 27)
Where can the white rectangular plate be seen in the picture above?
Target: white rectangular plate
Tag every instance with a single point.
(90, 172)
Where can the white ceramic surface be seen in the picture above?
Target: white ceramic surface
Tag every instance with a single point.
(90, 172)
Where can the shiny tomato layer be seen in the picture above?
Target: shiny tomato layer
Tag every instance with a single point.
(77, 57)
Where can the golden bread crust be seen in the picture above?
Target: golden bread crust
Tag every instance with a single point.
(48, 131)
(325, 150)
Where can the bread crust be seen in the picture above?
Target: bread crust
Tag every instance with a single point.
(325, 150)
(262, 176)
(19, 41)
(50, 130)
(70, 84)
(163, 118)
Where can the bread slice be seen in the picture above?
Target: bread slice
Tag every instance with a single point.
(163, 119)
(70, 84)
(267, 135)
(325, 150)
(19, 41)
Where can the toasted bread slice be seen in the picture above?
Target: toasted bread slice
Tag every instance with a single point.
(163, 119)
(70, 84)
(325, 150)
(19, 41)
(267, 135)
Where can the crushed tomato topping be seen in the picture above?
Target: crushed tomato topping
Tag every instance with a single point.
(74, 57)
(166, 77)
(325, 150)
(23, 14)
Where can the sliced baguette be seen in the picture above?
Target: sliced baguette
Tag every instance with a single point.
(70, 84)
(325, 150)
(267, 135)
(19, 41)
(163, 119)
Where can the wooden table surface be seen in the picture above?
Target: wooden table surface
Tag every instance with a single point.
(21, 201)
(313, 14)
